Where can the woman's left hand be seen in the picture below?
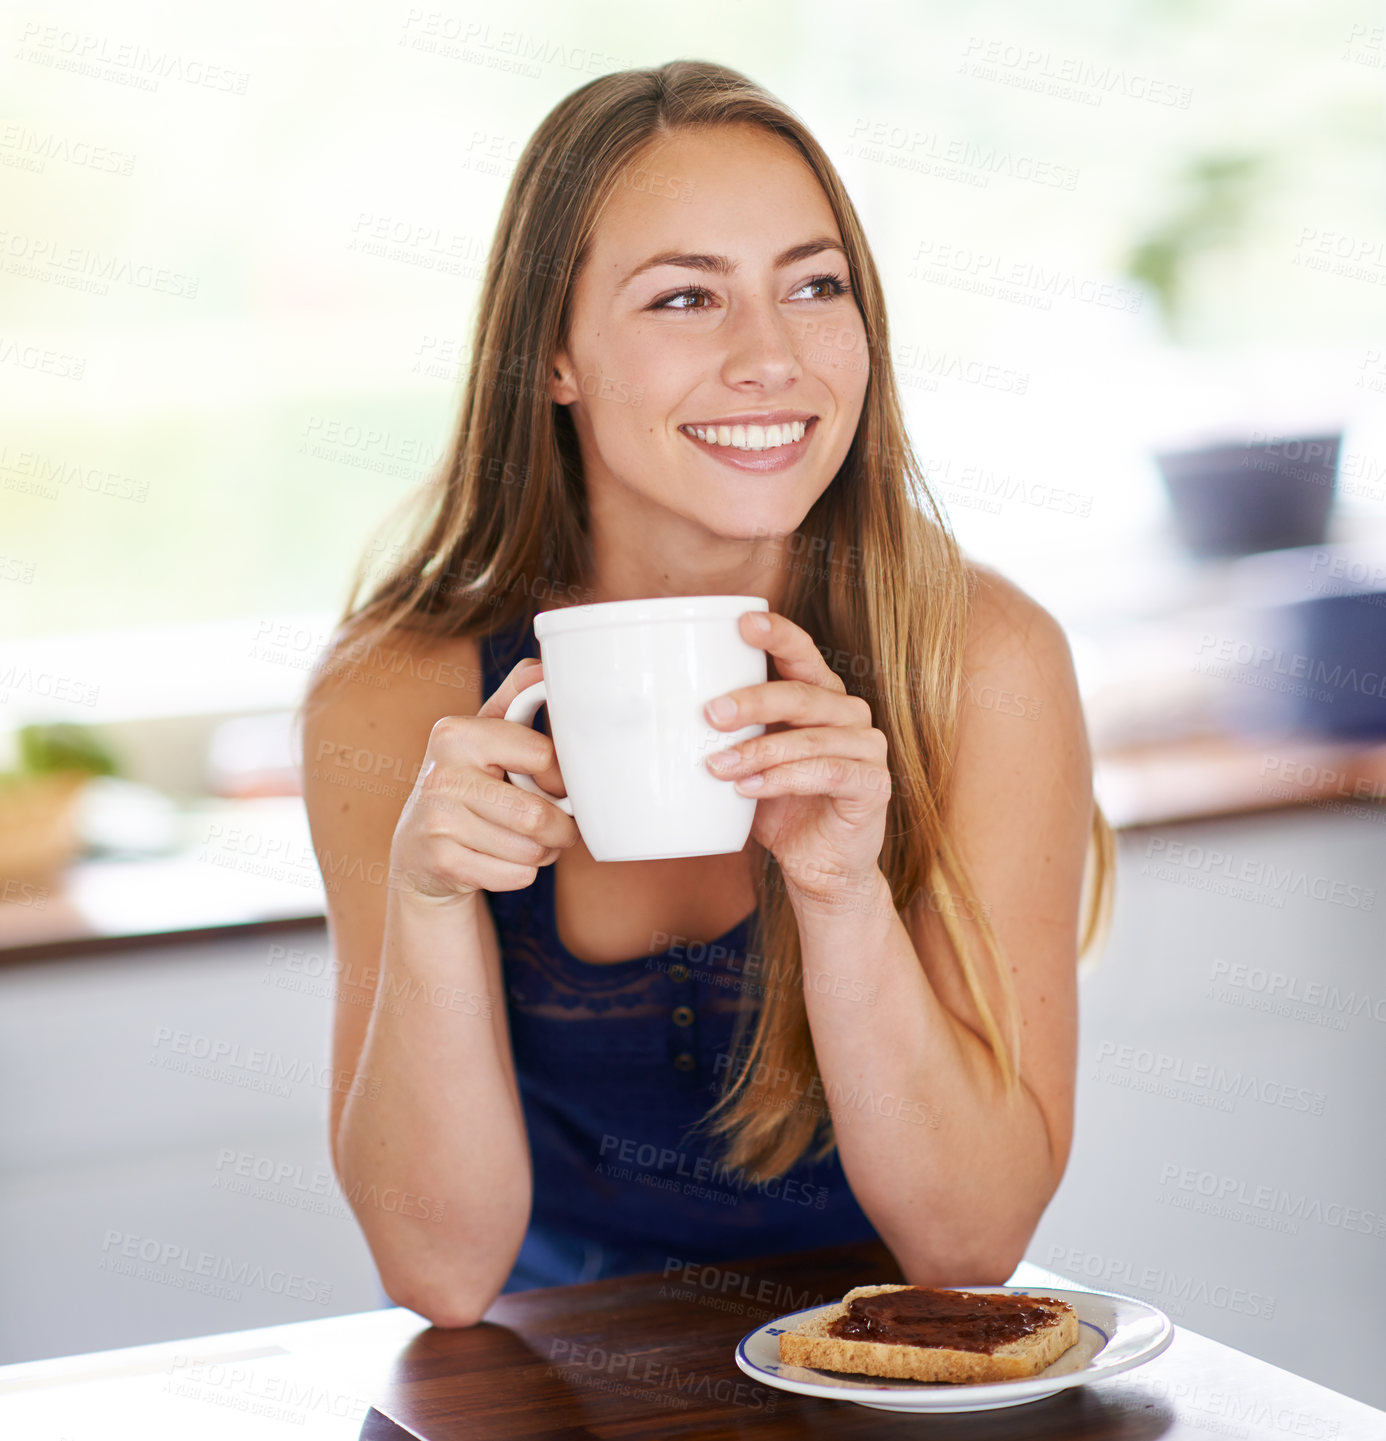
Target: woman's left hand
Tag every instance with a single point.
(824, 782)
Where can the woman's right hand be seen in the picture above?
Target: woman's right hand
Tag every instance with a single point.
(465, 827)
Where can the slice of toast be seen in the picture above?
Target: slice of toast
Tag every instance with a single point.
(809, 1344)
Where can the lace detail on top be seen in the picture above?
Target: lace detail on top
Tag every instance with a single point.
(548, 979)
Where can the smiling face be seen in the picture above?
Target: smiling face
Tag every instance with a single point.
(729, 314)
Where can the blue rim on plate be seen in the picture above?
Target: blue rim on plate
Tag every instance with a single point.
(1115, 1334)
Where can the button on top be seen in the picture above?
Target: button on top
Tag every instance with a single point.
(678, 972)
(683, 1015)
(684, 1060)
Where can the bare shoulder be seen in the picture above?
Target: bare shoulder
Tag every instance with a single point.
(396, 686)
(1013, 643)
(366, 725)
(1022, 741)
(1022, 751)
(406, 668)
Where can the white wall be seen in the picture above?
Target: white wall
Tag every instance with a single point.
(100, 1140)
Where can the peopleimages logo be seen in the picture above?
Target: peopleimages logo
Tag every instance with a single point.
(705, 1280)
(652, 1161)
(951, 157)
(1168, 859)
(1213, 1193)
(1015, 278)
(1079, 78)
(127, 62)
(252, 1066)
(1272, 662)
(1277, 987)
(1173, 1291)
(1167, 1072)
(170, 1263)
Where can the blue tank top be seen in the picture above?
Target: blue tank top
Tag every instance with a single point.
(616, 1063)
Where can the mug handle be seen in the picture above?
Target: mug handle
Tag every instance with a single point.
(524, 708)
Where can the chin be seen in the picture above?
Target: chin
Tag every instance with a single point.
(751, 523)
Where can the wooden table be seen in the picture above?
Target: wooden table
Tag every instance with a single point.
(637, 1356)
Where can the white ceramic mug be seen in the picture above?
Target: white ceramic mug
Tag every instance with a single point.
(625, 682)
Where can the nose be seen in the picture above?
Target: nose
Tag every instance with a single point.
(762, 346)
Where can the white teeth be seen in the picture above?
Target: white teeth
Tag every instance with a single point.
(751, 437)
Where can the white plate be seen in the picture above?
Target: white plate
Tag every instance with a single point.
(1115, 1333)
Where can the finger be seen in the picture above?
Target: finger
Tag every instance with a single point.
(521, 677)
(520, 848)
(462, 825)
(862, 785)
(793, 650)
(459, 795)
(798, 702)
(459, 743)
(526, 673)
(760, 753)
(470, 868)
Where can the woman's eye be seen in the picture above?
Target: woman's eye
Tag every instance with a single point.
(835, 287)
(696, 290)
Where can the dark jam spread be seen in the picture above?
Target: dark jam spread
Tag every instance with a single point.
(961, 1320)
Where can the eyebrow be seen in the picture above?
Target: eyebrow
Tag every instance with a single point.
(724, 265)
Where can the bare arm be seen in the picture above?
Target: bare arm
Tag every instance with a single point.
(953, 1177)
(429, 1141)
(436, 1115)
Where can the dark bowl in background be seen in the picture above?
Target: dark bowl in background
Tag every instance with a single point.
(1314, 622)
(1238, 498)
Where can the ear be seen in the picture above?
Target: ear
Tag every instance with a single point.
(563, 388)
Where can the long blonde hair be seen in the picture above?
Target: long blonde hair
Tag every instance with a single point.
(503, 532)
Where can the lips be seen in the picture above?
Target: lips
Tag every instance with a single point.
(779, 458)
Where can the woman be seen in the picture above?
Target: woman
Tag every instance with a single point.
(864, 1024)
